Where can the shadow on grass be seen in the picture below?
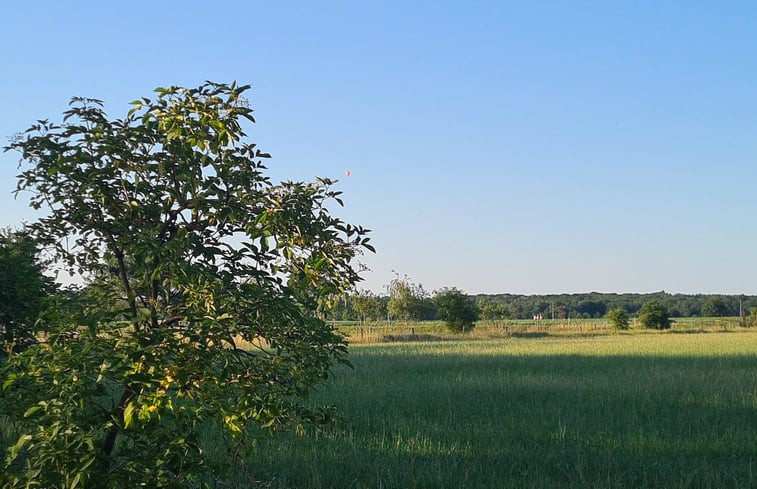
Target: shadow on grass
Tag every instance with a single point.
(390, 338)
(458, 420)
(530, 334)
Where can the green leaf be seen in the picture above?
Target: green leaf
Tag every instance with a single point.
(76, 480)
(16, 449)
(31, 411)
(128, 414)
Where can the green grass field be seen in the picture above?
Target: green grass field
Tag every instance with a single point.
(620, 410)
(532, 409)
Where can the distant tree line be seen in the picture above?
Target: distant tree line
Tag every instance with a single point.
(596, 305)
(28, 295)
(407, 301)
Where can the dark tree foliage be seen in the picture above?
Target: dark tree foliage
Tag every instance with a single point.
(459, 311)
(576, 306)
(595, 304)
(493, 311)
(717, 306)
(591, 308)
(23, 288)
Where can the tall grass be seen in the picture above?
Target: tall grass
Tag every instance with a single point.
(611, 411)
(383, 331)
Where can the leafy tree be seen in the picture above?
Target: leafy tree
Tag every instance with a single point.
(23, 288)
(751, 320)
(654, 315)
(459, 311)
(408, 301)
(193, 252)
(493, 311)
(619, 318)
(715, 306)
(368, 306)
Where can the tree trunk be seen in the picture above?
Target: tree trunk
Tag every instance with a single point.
(110, 437)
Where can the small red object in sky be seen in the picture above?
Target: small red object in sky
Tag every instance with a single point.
(348, 172)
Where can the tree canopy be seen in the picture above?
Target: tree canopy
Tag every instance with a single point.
(459, 311)
(408, 301)
(715, 306)
(205, 281)
(654, 315)
(619, 318)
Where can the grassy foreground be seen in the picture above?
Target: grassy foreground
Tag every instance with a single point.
(610, 411)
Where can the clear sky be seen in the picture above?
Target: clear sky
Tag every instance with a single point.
(495, 146)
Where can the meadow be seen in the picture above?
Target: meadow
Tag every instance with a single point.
(526, 406)
(630, 410)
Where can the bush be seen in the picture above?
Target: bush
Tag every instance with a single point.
(619, 318)
(751, 320)
(654, 315)
(459, 311)
(409, 301)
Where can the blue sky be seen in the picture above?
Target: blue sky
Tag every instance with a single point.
(525, 147)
